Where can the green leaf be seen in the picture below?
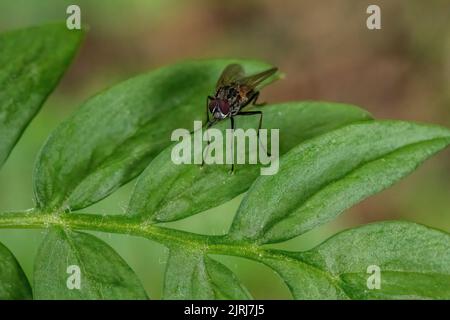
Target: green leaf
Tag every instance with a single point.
(64, 255)
(166, 191)
(13, 282)
(305, 282)
(414, 261)
(321, 178)
(115, 134)
(32, 62)
(191, 274)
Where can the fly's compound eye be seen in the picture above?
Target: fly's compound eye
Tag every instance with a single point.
(212, 106)
(224, 107)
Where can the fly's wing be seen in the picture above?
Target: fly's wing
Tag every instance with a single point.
(253, 81)
(232, 73)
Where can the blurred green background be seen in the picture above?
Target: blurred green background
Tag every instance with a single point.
(401, 72)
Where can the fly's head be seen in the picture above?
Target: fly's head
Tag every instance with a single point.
(219, 108)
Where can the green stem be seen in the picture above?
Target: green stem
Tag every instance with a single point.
(122, 224)
(125, 225)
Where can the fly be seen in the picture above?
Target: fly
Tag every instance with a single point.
(234, 92)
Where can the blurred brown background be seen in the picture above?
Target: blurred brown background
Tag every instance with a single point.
(401, 72)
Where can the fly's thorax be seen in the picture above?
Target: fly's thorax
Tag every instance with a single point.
(230, 93)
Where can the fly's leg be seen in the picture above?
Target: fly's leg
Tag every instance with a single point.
(208, 125)
(253, 100)
(207, 107)
(252, 113)
(232, 145)
(207, 114)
